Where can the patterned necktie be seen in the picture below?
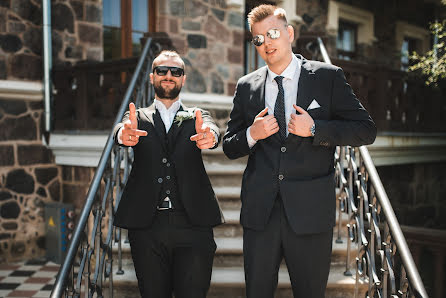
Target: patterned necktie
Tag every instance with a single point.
(279, 108)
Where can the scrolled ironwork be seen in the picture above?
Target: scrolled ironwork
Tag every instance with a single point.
(383, 260)
(87, 270)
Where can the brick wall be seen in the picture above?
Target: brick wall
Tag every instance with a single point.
(209, 35)
(28, 179)
(76, 35)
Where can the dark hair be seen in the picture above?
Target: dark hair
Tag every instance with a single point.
(168, 54)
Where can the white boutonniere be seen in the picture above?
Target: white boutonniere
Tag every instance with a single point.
(181, 116)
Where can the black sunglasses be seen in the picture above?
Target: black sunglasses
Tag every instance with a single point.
(258, 40)
(174, 71)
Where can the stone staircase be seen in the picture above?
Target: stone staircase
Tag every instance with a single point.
(228, 275)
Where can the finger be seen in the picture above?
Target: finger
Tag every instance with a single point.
(269, 117)
(262, 113)
(198, 121)
(132, 115)
(204, 144)
(274, 126)
(207, 132)
(128, 126)
(299, 109)
(195, 137)
(139, 132)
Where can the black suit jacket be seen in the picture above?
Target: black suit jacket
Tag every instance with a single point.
(142, 191)
(301, 169)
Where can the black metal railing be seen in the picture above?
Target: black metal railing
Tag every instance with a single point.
(88, 266)
(384, 264)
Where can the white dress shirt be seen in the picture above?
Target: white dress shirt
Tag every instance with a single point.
(167, 115)
(290, 82)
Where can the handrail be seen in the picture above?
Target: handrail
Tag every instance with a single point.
(372, 224)
(139, 84)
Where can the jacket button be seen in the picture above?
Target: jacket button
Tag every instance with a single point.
(168, 177)
(280, 177)
(168, 164)
(164, 160)
(168, 192)
(283, 149)
(160, 180)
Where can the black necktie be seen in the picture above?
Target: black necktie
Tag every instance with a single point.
(279, 108)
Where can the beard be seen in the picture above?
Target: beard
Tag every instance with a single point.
(166, 93)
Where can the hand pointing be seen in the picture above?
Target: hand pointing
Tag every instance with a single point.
(204, 138)
(130, 133)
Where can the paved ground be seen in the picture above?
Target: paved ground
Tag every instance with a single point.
(33, 278)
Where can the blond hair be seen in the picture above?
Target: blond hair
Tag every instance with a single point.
(261, 12)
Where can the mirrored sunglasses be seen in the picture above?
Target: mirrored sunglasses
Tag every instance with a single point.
(258, 40)
(174, 71)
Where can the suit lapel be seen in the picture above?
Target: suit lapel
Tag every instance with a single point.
(154, 118)
(175, 130)
(259, 89)
(305, 85)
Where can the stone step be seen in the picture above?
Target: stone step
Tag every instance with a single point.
(228, 197)
(230, 282)
(230, 252)
(217, 155)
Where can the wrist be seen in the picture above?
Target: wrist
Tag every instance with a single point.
(313, 129)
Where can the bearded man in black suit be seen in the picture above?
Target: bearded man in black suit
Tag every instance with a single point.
(288, 117)
(168, 204)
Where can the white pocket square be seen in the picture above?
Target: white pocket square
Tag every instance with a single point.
(314, 105)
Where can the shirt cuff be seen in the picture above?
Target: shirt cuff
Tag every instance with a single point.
(251, 141)
(215, 137)
(119, 136)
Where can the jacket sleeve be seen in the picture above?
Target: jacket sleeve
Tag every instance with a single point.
(351, 124)
(118, 127)
(235, 143)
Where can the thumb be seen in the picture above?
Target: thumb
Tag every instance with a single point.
(262, 113)
(299, 109)
(132, 116)
(198, 121)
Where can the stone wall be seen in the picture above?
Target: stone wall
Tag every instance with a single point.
(417, 193)
(75, 183)
(209, 35)
(28, 179)
(76, 35)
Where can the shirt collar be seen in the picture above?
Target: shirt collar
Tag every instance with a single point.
(289, 71)
(161, 107)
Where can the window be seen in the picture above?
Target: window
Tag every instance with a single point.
(410, 38)
(346, 40)
(253, 60)
(124, 23)
(407, 48)
(351, 26)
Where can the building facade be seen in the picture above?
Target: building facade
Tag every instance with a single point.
(369, 39)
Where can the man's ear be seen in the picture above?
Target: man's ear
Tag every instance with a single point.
(151, 78)
(290, 30)
(184, 80)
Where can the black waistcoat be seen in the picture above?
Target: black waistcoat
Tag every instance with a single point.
(169, 187)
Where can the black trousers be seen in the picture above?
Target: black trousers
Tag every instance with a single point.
(307, 258)
(172, 256)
